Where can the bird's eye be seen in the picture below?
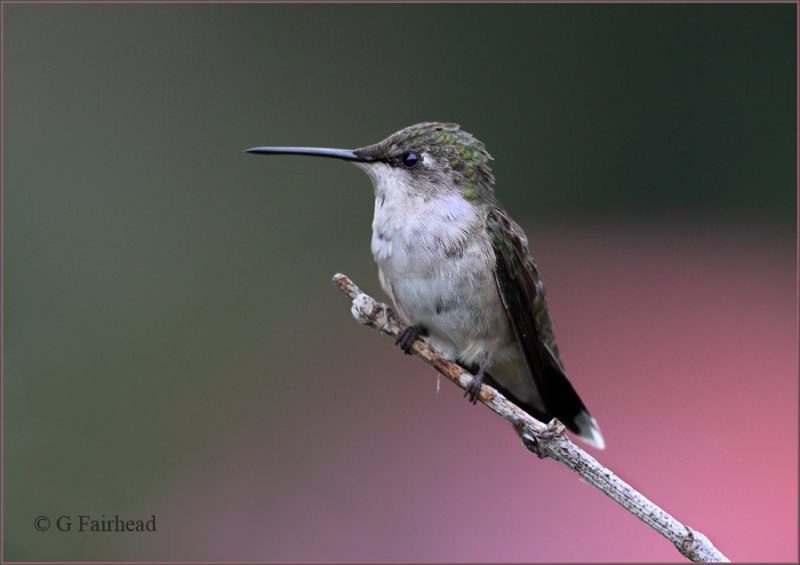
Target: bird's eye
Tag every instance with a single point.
(410, 159)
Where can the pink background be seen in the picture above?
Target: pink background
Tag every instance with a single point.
(682, 341)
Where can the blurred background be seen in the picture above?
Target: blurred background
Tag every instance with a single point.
(173, 345)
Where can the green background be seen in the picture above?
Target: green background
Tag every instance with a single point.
(167, 304)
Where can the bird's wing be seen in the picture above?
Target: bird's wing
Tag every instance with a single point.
(522, 293)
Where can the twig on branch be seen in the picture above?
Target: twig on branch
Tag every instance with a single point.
(546, 440)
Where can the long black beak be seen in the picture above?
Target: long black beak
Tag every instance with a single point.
(346, 154)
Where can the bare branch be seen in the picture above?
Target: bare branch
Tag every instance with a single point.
(546, 440)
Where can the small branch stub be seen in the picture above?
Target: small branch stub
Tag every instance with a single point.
(545, 440)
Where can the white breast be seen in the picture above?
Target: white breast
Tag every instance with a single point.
(436, 263)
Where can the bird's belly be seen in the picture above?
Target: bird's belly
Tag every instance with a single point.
(454, 297)
(466, 321)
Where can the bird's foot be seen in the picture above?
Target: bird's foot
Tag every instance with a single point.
(408, 336)
(474, 388)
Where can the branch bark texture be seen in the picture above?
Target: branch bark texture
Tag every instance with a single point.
(545, 440)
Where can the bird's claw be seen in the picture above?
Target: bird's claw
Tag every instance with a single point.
(408, 336)
(474, 387)
(473, 390)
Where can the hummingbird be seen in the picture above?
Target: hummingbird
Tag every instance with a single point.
(458, 270)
